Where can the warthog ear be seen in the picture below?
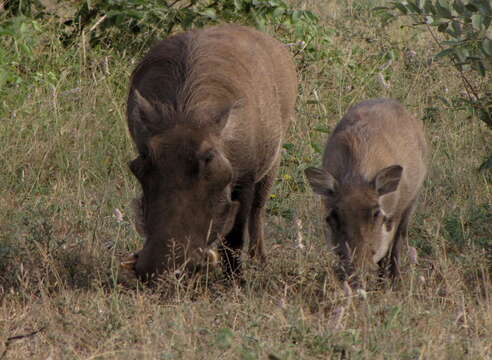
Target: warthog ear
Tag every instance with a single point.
(145, 119)
(223, 116)
(147, 115)
(322, 182)
(387, 180)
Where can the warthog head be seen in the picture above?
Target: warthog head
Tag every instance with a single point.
(356, 214)
(186, 182)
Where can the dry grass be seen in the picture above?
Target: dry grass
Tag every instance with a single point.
(63, 160)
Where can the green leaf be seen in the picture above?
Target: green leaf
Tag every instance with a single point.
(456, 29)
(317, 147)
(429, 7)
(445, 52)
(311, 16)
(296, 15)
(459, 7)
(461, 53)
(278, 12)
(380, 8)
(487, 47)
(481, 68)
(25, 48)
(485, 114)
(442, 8)
(6, 31)
(484, 6)
(392, 54)
(442, 27)
(444, 3)
(289, 147)
(444, 100)
(471, 7)
(210, 13)
(322, 129)
(238, 5)
(452, 43)
(412, 5)
(36, 26)
(387, 17)
(224, 338)
(400, 7)
(477, 22)
(487, 164)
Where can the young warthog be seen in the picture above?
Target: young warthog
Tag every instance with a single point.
(374, 165)
(207, 110)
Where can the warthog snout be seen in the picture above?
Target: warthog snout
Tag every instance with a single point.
(203, 258)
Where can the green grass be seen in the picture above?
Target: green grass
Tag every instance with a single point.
(63, 162)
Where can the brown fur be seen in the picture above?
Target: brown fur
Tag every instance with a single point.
(208, 110)
(374, 165)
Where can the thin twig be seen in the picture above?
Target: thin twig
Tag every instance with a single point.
(98, 22)
(304, 45)
(469, 88)
(18, 337)
(173, 3)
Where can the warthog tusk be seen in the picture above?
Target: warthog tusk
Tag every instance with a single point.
(129, 262)
(213, 257)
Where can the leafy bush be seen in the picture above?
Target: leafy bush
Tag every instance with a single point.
(467, 42)
(17, 34)
(120, 23)
(22, 7)
(128, 26)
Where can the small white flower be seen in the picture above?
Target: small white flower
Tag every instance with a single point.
(362, 293)
(282, 303)
(383, 81)
(413, 255)
(299, 238)
(411, 54)
(118, 215)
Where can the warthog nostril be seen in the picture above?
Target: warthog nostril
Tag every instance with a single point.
(129, 262)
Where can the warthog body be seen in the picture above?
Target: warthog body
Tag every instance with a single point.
(207, 110)
(374, 166)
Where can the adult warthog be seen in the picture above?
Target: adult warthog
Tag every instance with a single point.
(374, 166)
(208, 111)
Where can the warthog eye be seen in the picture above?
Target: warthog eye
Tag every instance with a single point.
(208, 157)
(139, 166)
(376, 213)
(389, 224)
(333, 220)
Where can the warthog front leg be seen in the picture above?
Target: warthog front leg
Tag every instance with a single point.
(256, 219)
(232, 245)
(390, 264)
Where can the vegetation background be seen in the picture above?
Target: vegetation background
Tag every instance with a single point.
(65, 193)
